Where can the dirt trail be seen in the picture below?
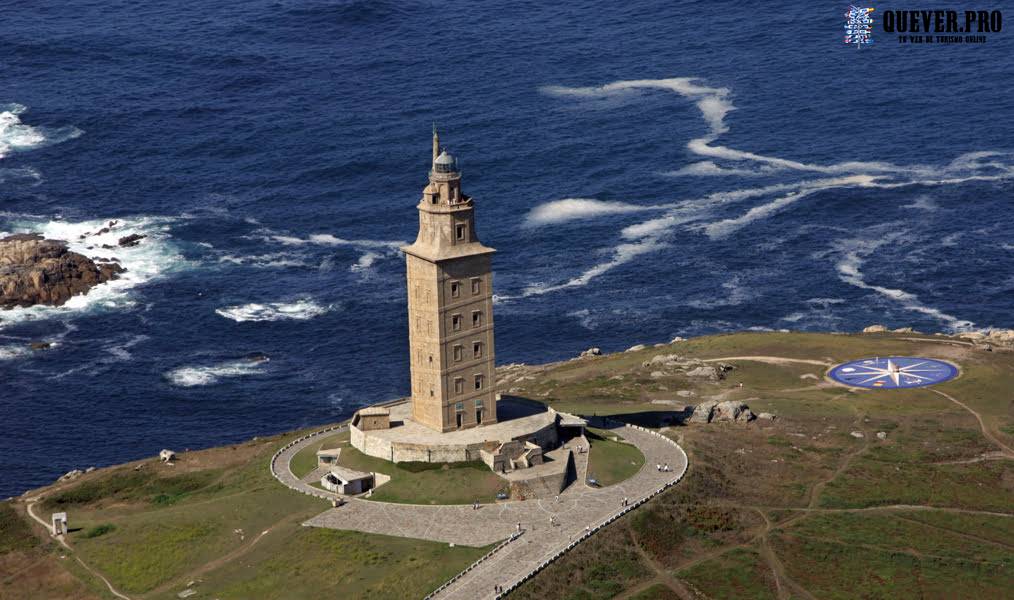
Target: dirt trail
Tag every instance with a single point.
(776, 360)
(1007, 450)
(30, 508)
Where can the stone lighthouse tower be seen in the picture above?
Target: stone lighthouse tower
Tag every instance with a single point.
(450, 307)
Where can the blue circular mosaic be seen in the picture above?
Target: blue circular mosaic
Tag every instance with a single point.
(893, 372)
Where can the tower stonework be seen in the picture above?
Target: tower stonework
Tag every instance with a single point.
(450, 307)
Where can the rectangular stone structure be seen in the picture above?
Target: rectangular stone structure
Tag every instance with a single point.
(450, 307)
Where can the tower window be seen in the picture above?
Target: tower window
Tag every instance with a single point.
(476, 349)
(478, 402)
(478, 382)
(459, 232)
(459, 406)
(476, 286)
(459, 385)
(476, 318)
(457, 353)
(434, 199)
(455, 289)
(456, 322)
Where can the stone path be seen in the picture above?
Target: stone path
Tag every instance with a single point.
(580, 510)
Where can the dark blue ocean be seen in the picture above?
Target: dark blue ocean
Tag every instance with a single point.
(645, 169)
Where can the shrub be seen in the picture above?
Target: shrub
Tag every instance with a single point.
(99, 530)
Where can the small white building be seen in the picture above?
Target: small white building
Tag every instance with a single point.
(341, 480)
(59, 523)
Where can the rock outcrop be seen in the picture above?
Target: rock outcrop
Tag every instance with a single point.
(714, 411)
(875, 329)
(590, 352)
(34, 270)
(691, 367)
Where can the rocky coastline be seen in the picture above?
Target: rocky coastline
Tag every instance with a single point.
(39, 271)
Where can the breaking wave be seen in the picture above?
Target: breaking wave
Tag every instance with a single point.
(301, 310)
(16, 136)
(155, 256)
(212, 374)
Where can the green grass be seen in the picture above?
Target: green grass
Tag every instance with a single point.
(132, 486)
(428, 483)
(831, 568)
(99, 530)
(889, 532)
(871, 482)
(737, 574)
(321, 563)
(611, 461)
(656, 592)
(305, 461)
(15, 533)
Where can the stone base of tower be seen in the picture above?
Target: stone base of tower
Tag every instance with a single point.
(407, 441)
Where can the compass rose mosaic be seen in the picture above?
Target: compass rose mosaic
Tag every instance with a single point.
(893, 372)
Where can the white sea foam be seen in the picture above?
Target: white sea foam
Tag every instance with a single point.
(622, 254)
(852, 253)
(327, 239)
(584, 317)
(16, 136)
(365, 262)
(707, 168)
(714, 104)
(922, 202)
(208, 375)
(719, 229)
(20, 175)
(736, 294)
(571, 209)
(271, 260)
(300, 310)
(13, 351)
(149, 260)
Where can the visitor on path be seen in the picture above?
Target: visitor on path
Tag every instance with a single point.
(519, 526)
(666, 468)
(658, 467)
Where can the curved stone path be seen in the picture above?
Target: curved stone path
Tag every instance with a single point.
(579, 512)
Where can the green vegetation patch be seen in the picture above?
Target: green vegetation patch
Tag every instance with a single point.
(132, 486)
(892, 532)
(98, 530)
(599, 568)
(322, 563)
(871, 482)
(428, 483)
(15, 533)
(611, 461)
(138, 557)
(835, 569)
(656, 592)
(305, 461)
(739, 574)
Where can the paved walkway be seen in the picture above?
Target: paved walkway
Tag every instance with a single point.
(579, 510)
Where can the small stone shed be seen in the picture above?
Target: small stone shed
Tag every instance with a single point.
(328, 457)
(372, 418)
(346, 481)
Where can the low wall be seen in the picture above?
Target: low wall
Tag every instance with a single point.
(395, 451)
